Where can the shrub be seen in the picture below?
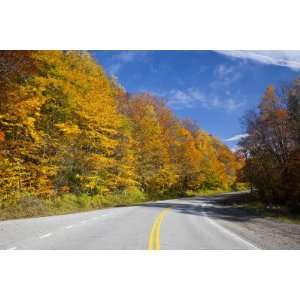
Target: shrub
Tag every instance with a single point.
(240, 186)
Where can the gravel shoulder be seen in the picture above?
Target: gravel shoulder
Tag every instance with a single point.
(265, 232)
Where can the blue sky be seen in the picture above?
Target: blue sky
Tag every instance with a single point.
(212, 88)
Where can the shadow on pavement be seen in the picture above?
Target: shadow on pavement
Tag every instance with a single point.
(210, 205)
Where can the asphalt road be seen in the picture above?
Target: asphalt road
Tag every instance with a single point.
(193, 223)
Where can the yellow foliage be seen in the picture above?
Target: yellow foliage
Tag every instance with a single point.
(67, 127)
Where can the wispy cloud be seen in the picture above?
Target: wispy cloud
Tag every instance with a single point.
(181, 99)
(235, 148)
(120, 59)
(192, 97)
(236, 137)
(114, 68)
(289, 59)
(128, 56)
(225, 75)
(224, 71)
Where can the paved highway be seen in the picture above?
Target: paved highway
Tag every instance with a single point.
(192, 223)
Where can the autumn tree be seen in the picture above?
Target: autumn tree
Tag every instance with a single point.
(81, 116)
(271, 148)
(23, 168)
(153, 162)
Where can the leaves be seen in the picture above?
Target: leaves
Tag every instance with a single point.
(66, 127)
(272, 147)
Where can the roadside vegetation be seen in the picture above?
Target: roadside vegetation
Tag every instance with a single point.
(272, 152)
(72, 139)
(254, 205)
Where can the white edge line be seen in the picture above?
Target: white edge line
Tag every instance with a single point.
(46, 235)
(69, 227)
(225, 230)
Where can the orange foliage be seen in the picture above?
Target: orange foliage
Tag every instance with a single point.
(66, 127)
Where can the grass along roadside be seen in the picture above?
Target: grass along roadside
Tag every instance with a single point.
(203, 193)
(28, 206)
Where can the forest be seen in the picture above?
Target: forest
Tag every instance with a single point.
(72, 138)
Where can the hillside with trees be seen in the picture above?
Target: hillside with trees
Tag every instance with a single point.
(72, 139)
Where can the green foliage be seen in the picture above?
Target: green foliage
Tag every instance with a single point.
(240, 186)
(206, 192)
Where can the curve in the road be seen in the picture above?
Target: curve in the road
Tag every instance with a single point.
(154, 238)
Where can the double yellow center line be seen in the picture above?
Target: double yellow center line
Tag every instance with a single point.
(154, 238)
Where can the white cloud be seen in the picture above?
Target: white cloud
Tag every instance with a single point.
(289, 59)
(180, 98)
(222, 71)
(235, 148)
(127, 56)
(232, 105)
(192, 97)
(114, 68)
(236, 137)
(225, 75)
(122, 58)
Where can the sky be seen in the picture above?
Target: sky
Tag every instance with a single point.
(213, 88)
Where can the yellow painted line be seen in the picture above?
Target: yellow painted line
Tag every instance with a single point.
(154, 238)
(153, 234)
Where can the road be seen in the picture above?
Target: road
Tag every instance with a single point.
(191, 223)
